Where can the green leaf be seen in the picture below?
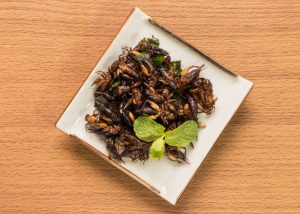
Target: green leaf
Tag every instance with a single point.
(115, 83)
(176, 67)
(183, 134)
(158, 59)
(157, 149)
(141, 56)
(147, 130)
(153, 41)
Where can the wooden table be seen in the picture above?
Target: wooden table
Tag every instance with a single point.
(49, 47)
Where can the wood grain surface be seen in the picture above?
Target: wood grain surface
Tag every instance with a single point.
(47, 49)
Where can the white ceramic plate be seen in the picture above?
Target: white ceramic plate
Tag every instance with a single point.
(165, 178)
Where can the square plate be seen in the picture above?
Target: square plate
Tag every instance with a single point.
(165, 178)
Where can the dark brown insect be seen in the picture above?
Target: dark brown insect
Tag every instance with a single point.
(176, 154)
(103, 82)
(145, 82)
(153, 95)
(137, 97)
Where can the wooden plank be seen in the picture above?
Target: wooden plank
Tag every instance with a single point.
(48, 49)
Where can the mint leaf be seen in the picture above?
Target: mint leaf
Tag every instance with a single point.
(147, 130)
(157, 149)
(176, 67)
(142, 56)
(183, 134)
(153, 41)
(158, 59)
(115, 83)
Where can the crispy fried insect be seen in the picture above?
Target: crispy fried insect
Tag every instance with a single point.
(134, 148)
(166, 93)
(96, 123)
(143, 45)
(188, 75)
(167, 78)
(149, 111)
(144, 81)
(176, 154)
(107, 95)
(137, 97)
(167, 117)
(193, 107)
(160, 51)
(167, 74)
(103, 82)
(152, 95)
(124, 115)
(111, 147)
(113, 68)
(171, 106)
(137, 84)
(128, 103)
(126, 69)
(147, 63)
(122, 89)
(144, 69)
(131, 116)
(107, 110)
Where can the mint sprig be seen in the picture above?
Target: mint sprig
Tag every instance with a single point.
(158, 59)
(157, 148)
(153, 41)
(176, 67)
(183, 134)
(141, 56)
(115, 83)
(148, 130)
